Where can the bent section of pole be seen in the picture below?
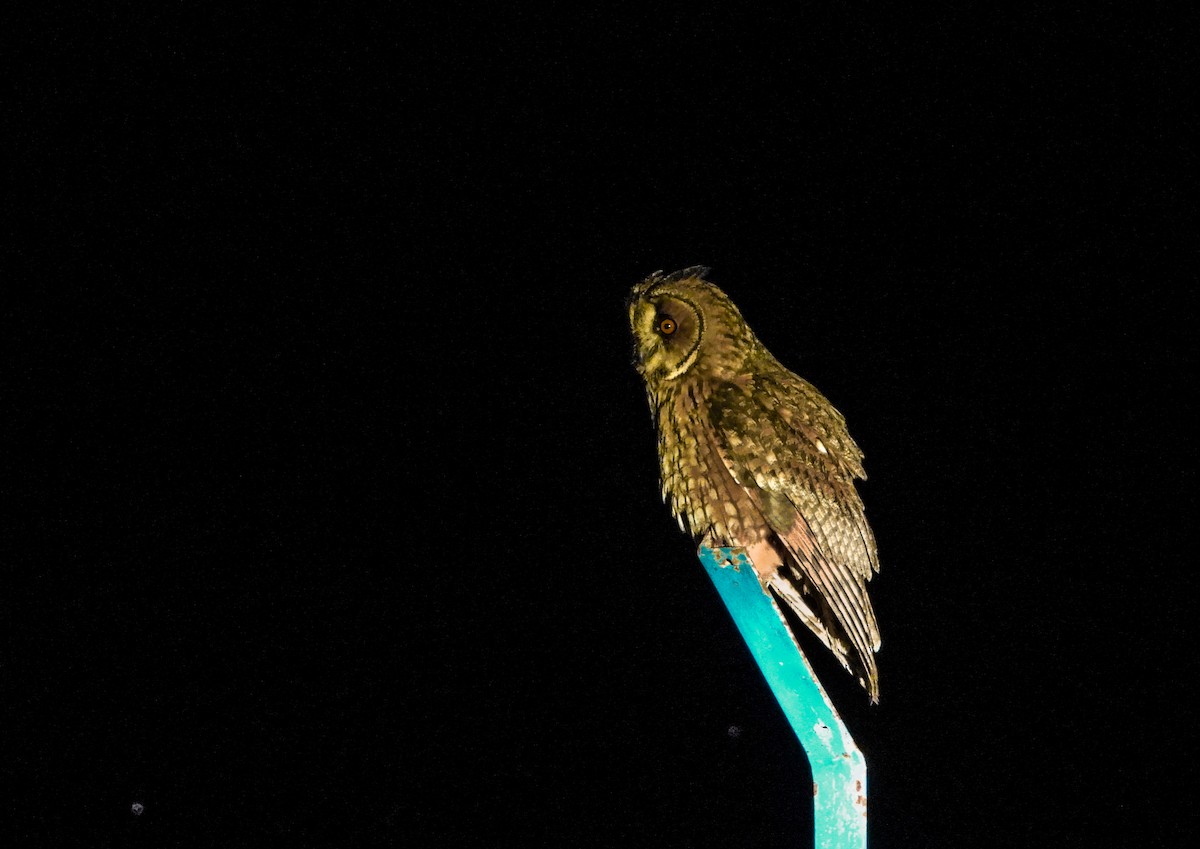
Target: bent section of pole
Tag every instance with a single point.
(838, 768)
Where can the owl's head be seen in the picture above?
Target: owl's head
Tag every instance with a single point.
(682, 324)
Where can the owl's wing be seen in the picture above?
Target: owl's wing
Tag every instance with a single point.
(789, 448)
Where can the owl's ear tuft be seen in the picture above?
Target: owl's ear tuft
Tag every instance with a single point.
(682, 274)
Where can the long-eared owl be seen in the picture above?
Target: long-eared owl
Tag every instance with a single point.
(753, 456)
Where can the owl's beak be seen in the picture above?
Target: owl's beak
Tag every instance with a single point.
(637, 362)
(631, 307)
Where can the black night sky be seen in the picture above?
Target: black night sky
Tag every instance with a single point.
(332, 512)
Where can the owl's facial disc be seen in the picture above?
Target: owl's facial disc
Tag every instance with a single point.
(667, 332)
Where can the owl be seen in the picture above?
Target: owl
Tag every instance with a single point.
(753, 456)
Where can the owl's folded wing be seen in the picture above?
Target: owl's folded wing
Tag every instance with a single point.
(798, 462)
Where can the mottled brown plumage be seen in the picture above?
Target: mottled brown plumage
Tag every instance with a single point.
(754, 456)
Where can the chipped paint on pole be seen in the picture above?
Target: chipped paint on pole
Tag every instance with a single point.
(839, 771)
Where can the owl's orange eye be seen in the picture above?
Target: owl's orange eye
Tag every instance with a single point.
(666, 325)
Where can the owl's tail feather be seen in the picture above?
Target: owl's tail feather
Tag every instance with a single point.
(788, 593)
(813, 612)
(864, 673)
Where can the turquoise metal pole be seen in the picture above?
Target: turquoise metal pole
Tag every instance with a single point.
(839, 771)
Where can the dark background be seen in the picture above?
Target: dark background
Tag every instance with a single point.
(332, 502)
